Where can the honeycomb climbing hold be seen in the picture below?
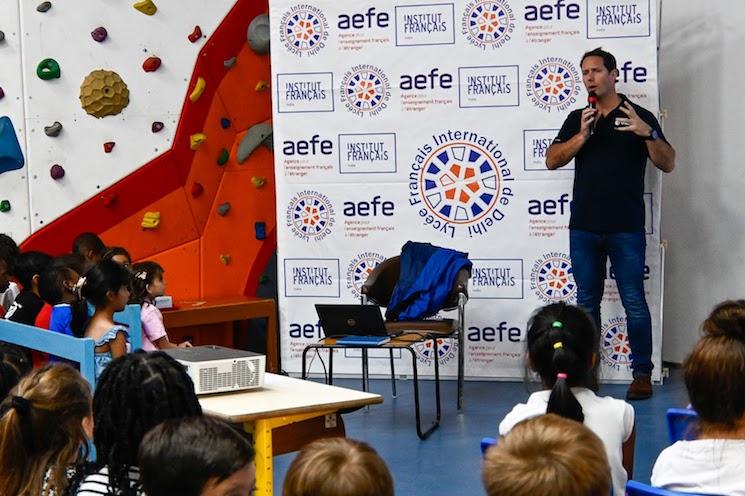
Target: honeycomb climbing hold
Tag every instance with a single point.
(225, 123)
(196, 189)
(225, 259)
(48, 69)
(53, 130)
(147, 7)
(57, 172)
(157, 126)
(108, 146)
(222, 159)
(99, 34)
(150, 220)
(262, 86)
(223, 209)
(44, 6)
(151, 64)
(196, 140)
(257, 34)
(229, 62)
(5, 206)
(103, 93)
(258, 181)
(198, 89)
(196, 34)
(260, 230)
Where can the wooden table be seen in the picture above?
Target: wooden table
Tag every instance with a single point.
(211, 322)
(284, 415)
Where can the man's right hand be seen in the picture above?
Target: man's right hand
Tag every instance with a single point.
(588, 116)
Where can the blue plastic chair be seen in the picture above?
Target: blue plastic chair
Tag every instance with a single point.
(634, 488)
(486, 443)
(682, 424)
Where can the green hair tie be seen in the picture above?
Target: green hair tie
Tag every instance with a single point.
(557, 324)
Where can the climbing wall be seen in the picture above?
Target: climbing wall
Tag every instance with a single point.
(154, 101)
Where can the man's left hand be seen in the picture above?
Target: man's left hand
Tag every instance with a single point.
(633, 122)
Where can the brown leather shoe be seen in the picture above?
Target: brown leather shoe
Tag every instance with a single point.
(640, 388)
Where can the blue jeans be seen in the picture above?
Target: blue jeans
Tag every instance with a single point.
(589, 252)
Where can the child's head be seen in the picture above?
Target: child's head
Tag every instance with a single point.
(715, 369)
(89, 245)
(547, 456)
(147, 281)
(118, 255)
(135, 393)
(14, 364)
(74, 261)
(107, 285)
(338, 467)
(8, 254)
(28, 268)
(203, 456)
(562, 349)
(42, 426)
(57, 284)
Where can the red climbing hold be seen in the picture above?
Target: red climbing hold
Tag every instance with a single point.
(108, 146)
(196, 34)
(196, 190)
(156, 127)
(151, 64)
(108, 200)
(57, 172)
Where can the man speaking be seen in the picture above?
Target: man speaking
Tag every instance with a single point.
(610, 140)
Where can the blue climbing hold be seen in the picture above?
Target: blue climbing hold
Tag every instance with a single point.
(260, 230)
(11, 156)
(225, 122)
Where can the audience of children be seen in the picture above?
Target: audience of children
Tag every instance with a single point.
(562, 350)
(147, 284)
(45, 424)
(135, 393)
(196, 456)
(119, 255)
(338, 467)
(714, 463)
(547, 455)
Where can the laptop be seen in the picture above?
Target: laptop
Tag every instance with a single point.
(358, 321)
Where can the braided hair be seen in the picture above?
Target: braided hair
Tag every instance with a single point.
(135, 393)
(562, 344)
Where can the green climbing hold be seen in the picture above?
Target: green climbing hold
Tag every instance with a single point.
(264, 279)
(48, 69)
(224, 156)
(4, 206)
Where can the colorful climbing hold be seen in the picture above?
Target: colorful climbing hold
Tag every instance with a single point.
(108, 146)
(99, 34)
(229, 62)
(147, 7)
(222, 159)
(11, 155)
(261, 86)
(223, 209)
(263, 279)
(150, 220)
(225, 259)
(109, 199)
(260, 230)
(53, 130)
(196, 34)
(224, 122)
(256, 135)
(196, 190)
(44, 6)
(57, 172)
(103, 93)
(151, 64)
(195, 140)
(257, 34)
(258, 182)
(198, 89)
(48, 69)
(157, 126)
(5, 206)
(2, 93)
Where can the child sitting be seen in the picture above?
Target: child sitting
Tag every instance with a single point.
(118, 255)
(8, 290)
(28, 269)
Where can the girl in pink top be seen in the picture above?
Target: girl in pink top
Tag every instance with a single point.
(147, 284)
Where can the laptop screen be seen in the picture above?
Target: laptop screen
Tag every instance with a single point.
(351, 320)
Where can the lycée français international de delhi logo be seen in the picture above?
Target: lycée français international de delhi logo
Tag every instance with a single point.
(552, 280)
(365, 90)
(553, 83)
(447, 349)
(303, 30)
(488, 23)
(614, 344)
(310, 215)
(359, 269)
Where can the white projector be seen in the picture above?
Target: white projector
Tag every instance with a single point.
(215, 369)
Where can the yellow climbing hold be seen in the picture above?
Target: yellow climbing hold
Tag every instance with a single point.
(195, 140)
(262, 86)
(225, 259)
(150, 220)
(258, 181)
(198, 89)
(147, 7)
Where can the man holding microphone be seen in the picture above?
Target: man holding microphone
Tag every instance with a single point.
(610, 141)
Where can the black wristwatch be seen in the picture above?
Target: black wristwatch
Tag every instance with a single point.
(653, 135)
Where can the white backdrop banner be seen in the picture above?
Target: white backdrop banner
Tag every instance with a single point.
(398, 121)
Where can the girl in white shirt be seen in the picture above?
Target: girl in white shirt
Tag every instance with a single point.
(715, 378)
(562, 349)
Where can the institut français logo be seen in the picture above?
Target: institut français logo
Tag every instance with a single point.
(365, 90)
(488, 23)
(459, 183)
(310, 215)
(303, 30)
(614, 344)
(553, 84)
(359, 269)
(552, 280)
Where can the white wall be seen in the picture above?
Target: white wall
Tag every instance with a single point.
(701, 82)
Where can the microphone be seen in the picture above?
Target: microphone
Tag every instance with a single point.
(592, 102)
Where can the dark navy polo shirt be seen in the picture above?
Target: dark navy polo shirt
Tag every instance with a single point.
(609, 173)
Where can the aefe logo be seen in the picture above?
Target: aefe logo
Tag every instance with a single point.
(499, 333)
(366, 20)
(306, 331)
(426, 81)
(552, 11)
(315, 145)
(549, 206)
(628, 73)
(372, 208)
